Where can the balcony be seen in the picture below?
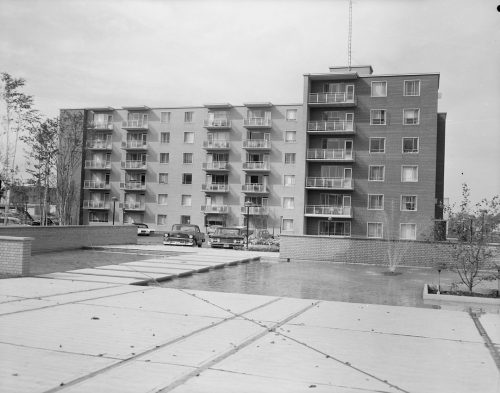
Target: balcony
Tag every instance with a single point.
(256, 166)
(329, 183)
(217, 124)
(97, 205)
(257, 144)
(100, 126)
(133, 206)
(257, 122)
(330, 155)
(216, 145)
(216, 166)
(331, 127)
(135, 125)
(332, 99)
(328, 211)
(215, 209)
(91, 164)
(254, 188)
(255, 210)
(134, 145)
(134, 165)
(99, 144)
(133, 186)
(95, 185)
(215, 187)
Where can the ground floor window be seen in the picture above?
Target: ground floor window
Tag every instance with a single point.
(185, 219)
(287, 224)
(375, 230)
(161, 219)
(98, 216)
(335, 228)
(408, 232)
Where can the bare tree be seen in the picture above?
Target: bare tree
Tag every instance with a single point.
(396, 248)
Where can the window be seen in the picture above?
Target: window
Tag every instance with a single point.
(409, 173)
(164, 158)
(165, 137)
(409, 203)
(187, 158)
(378, 117)
(188, 117)
(375, 230)
(185, 219)
(289, 180)
(165, 117)
(290, 136)
(189, 137)
(377, 145)
(335, 228)
(375, 202)
(187, 178)
(412, 88)
(376, 172)
(408, 231)
(186, 200)
(410, 145)
(162, 199)
(379, 89)
(161, 219)
(411, 117)
(289, 158)
(288, 203)
(291, 114)
(163, 178)
(287, 224)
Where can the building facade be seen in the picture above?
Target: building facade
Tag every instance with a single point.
(362, 156)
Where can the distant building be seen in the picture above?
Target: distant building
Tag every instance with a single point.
(362, 156)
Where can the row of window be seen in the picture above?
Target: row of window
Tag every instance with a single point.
(409, 173)
(411, 88)
(187, 158)
(290, 137)
(411, 117)
(165, 117)
(408, 145)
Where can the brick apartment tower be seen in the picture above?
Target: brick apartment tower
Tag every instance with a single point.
(363, 156)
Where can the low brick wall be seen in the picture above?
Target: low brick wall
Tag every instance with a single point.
(15, 255)
(57, 238)
(369, 251)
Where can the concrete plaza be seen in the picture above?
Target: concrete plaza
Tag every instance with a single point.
(59, 334)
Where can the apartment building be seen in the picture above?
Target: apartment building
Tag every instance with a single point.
(362, 156)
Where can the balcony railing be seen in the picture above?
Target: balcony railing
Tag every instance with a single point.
(216, 144)
(133, 206)
(95, 185)
(216, 166)
(254, 187)
(217, 123)
(135, 144)
(135, 124)
(100, 125)
(215, 187)
(257, 144)
(104, 205)
(130, 186)
(329, 183)
(257, 122)
(133, 165)
(330, 154)
(256, 166)
(91, 164)
(332, 98)
(341, 126)
(255, 210)
(99, 144)
(215, 209)
(322, 210)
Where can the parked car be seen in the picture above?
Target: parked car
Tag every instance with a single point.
(232, 237)
(184, 235)
(10, 221)
(143, 229)
(38, 223)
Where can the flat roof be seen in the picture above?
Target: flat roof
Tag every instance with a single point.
(136, 108)
(224, 105)
(100, 109)
(266, 104)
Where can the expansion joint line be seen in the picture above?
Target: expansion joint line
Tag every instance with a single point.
(487, 340)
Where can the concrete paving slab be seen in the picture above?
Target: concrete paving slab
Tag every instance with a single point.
(491, 324)
(24, 305)
(166, 266)
(278, 311)
(117, 273)
(163, 271)
(89, 278)
(5, 298)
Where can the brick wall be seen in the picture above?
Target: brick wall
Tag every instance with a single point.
(56, 238)
(369, 251)
(15, 254)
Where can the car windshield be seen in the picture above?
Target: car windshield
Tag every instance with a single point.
(183, 228)
(227, 231)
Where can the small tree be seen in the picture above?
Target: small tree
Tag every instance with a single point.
(396, 248)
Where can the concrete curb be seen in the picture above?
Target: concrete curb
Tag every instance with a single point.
(459, 299)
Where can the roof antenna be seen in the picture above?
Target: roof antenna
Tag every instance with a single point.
(350, 36)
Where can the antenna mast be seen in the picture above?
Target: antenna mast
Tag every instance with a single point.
(350, 36)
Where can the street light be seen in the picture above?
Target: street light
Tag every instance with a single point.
(248, 205)
(114, 199)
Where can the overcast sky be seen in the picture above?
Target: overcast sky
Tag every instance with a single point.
(185, 53)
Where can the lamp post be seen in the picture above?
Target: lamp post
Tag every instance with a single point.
(114, 199)
(248, 205)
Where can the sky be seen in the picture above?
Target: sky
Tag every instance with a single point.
(92, 53)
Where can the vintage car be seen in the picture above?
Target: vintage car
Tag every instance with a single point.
(143, 229)
(228, 238)
(184, 235)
